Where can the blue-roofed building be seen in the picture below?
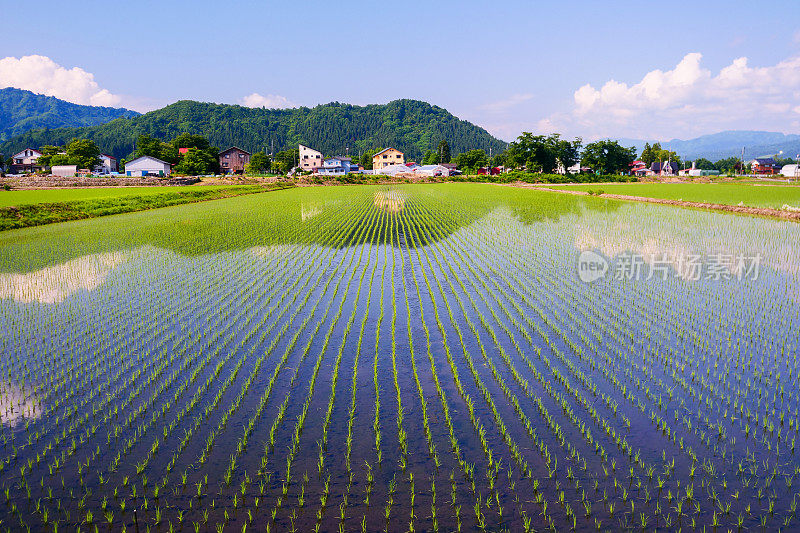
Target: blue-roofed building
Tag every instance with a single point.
(337, 166)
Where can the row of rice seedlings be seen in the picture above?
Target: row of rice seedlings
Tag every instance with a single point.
(300, 423)
(493, 467)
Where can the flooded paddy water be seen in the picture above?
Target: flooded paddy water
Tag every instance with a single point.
(412, 358)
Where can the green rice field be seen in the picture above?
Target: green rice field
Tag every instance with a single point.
(38, 196)
(444, 357)
(753, 195)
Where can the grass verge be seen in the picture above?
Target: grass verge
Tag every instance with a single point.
(38, 214)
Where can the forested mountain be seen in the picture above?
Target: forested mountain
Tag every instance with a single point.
(729, 144)
(22, 111)
(408, 125)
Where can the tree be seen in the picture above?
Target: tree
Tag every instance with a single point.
(196, 162)
(704, 164)
(260, 163)
(285, 160)
(443, 152)
(608, 157)
(146, 145)
(83, 153)
(187, 140)
(48, 151)
(651, 154)
(471, 160)
(59, 159)
(366, 158)
(540, 153)
(429, 158)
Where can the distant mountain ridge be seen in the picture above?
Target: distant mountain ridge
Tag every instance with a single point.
(725, 144)
(22, 111)
(411, 126)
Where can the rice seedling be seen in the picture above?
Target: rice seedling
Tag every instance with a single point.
(187, 365)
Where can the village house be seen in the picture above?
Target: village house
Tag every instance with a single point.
(764, 165)
(309, 158)
(387, 157)
(108, 164)
(665, 168)
(233, 160)
(338, 165)
(147, 166)
(25, 161)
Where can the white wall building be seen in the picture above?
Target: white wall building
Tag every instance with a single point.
(147, 166)
(309, 158)
(791, 171)
(64, 171)
(108, 164)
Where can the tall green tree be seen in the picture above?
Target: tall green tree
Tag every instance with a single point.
(84, 153)
(429, 158)
(260, 163)
(443, 152)
(48, 151)
(196, 162)
(608, 157)
(285, 160)
(471, 160)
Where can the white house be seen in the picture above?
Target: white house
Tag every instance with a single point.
(309, 158)
(64, 171)
(339, 165)
(25, 161)
(108, 164)
(147, 166)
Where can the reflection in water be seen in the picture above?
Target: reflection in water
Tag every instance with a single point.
(391, 200)
(55, 283)
(309, 211)
(16, 406)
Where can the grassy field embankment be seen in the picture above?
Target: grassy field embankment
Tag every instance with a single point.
(19, 209)
(752, 195)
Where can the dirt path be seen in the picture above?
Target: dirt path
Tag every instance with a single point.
(740, 209)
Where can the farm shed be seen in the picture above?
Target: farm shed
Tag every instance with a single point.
(147, 166)
(64, 171)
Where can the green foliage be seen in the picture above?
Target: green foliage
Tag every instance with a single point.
(471, 160)
(285, 160)
(443, 152)
(654, 153)
(84, 153)
(408, 125)
(196, 162)
(22, 111)
(260, 163)
(540, 153)
(608, 157)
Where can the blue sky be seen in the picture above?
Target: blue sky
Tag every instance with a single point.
(507, 66)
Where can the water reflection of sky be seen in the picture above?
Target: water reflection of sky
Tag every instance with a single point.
(17, 406)
(54, 284)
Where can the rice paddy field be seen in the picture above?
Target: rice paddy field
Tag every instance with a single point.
(752, 195)
(412, 358)
(27, 197)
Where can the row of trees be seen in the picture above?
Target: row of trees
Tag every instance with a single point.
(82, 153)
(551, 154)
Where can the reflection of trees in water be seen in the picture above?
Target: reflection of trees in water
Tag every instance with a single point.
(391, 200)
(17, 405)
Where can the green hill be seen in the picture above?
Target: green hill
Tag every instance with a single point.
(408, 125)
(22, 111)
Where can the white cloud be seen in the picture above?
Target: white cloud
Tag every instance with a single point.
(688, 100)
(271, 101)
(42, 75)
(507, 103)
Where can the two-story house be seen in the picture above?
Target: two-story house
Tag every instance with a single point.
(387, 157)
(233, 160)
(339, 165)
(25, 161)
(309, 158)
